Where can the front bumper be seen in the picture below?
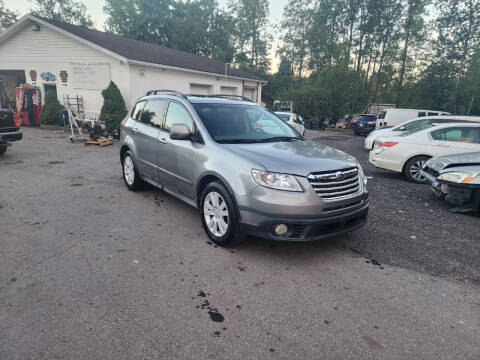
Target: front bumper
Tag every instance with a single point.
(434, 184)
(10, 136)
(307, 229)
(455, 194)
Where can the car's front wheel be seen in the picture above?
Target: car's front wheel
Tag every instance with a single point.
(3, 149)
(218, 215)
(412, 169)
(130, 172)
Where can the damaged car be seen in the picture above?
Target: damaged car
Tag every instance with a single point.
(456, 178)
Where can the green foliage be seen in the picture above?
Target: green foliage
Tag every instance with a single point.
(199, 26)
(7, 17)
(51, 109)
(328, 95)
(69, 11)
(113, 109)
(251, 35)
(348, 54)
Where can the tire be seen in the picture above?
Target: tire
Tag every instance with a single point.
(130, 172)
(3, 149)
(215, 201)
(412, 168)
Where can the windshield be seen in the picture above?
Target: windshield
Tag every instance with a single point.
(284, 117)
(232, 123)
(366, 118)
(413, 131)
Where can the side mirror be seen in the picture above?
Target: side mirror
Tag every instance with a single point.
(180, 132)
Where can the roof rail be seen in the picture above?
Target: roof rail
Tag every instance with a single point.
(171, 92)
(233, 97)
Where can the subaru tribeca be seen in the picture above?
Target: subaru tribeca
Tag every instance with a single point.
(244, 169)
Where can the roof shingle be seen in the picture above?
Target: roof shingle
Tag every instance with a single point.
(150, 53)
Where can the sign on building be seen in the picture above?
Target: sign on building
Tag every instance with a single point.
(90, 76)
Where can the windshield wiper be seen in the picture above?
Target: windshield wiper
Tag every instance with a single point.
(282, 138)
(237, 141)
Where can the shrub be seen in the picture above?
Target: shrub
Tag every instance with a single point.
(113, 109)
(51, 109)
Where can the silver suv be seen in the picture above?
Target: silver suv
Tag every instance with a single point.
(244, 169)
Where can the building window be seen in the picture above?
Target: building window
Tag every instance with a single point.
(200, 89)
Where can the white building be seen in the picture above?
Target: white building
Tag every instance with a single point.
(77, 61)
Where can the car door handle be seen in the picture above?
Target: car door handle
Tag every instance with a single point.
(163, 141)
(135, 130)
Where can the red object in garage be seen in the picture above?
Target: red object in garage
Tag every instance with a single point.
(28, 104)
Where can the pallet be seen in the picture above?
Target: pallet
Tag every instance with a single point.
(101, 142)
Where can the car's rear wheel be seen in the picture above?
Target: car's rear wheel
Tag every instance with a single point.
(218, 215)
(130, 172)
(412, 169)
(3, 149)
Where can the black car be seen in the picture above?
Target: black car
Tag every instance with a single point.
(364, 124)
(9, 130)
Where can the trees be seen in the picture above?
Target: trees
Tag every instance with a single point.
(295, 31)
(458, 27)
(201, 27)
(70, 11)
(413, 34)
(196, 26)
(113, 109)
(7, 17)
(252, 37)
(145, 20)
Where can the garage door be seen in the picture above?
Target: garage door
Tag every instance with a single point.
(198, 89)
(249, 93)
(228, 90)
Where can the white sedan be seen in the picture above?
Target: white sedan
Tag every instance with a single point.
(408, 152)
(293, 120)
(414, 124)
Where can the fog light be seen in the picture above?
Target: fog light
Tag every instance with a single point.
(280, 229)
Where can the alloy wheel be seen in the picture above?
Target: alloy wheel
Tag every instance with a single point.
(415, 170)
(129, 170)
(216, 215)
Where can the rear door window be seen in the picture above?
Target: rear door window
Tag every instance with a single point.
(154, 112)
(468, 135)
(137, 110)
(422, 114)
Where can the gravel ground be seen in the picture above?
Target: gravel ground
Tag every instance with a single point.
(90, 270)
(408, 226)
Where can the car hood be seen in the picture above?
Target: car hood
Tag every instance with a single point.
(295, 157)
(441, 162)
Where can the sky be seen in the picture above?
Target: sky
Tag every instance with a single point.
(95, 9)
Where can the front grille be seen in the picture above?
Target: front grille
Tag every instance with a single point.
(335, 184)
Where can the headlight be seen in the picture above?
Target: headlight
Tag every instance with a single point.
(276, 180)
(458, 177)
(362, 175)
